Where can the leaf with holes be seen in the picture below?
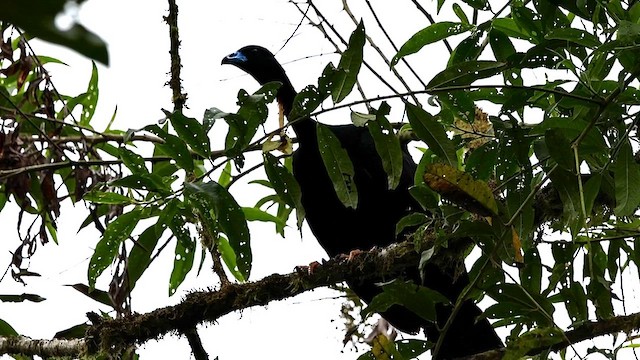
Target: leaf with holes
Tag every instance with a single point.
(626, 174)
(91, 100)
(461, 189)
(387, 145)
(107, 248)
(432, 133)
(192, 132)
(174, 147)
(430, 34)
(184, 253)
(285, 185)
(338, 165)
(350, 62)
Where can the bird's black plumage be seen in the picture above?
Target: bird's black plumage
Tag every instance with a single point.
(339, 229)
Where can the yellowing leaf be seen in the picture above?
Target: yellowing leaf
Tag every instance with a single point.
(461, 189)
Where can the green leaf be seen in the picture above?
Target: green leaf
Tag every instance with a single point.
(576, 36)
(575, 301)
(140, 255)
(255, 214)
(626, 174)
(387, 145)
(225, 175)
(229, 257)
(111, 198)
(174, 147)
(22, 297)
(192, 132)
(73, 333)
(432, 133)
(132, 161)
(107, 248)
(350, 63)
(461, 189)
(430, 34)
(559, 147)
(184, 254)
(338, 165)
(410, 220)
(228, 215)
(91, 100)
(420, 300)
(38, 18)
(150, 182)
(412, 348)
(285, 185)
(460, 13)
(567, 185)
(466, 73)
(95, 294)
(6, 329)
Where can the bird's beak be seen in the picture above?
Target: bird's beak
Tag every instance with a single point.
(235, 59)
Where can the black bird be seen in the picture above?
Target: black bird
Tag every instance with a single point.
(340, 230)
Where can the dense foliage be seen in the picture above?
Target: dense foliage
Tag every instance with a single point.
(542, 182)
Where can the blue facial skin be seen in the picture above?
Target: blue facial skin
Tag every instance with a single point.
(237, 57)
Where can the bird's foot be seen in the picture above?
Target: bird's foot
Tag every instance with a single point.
(352, 255)
(308, 269)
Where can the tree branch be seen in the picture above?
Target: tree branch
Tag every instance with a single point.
(208, 306)
(45, 348)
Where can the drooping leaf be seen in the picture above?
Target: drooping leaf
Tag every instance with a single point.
(228, 216)
(350, 63)
(91, 100)
(229, 257)
(140, 256)
(627, 176)
(387, 146)
(432, 133)
(106, 249)
(285, 185)
(338, 165)
(559, 147)
(184, 253)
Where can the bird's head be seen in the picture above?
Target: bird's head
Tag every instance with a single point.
(257, 62)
